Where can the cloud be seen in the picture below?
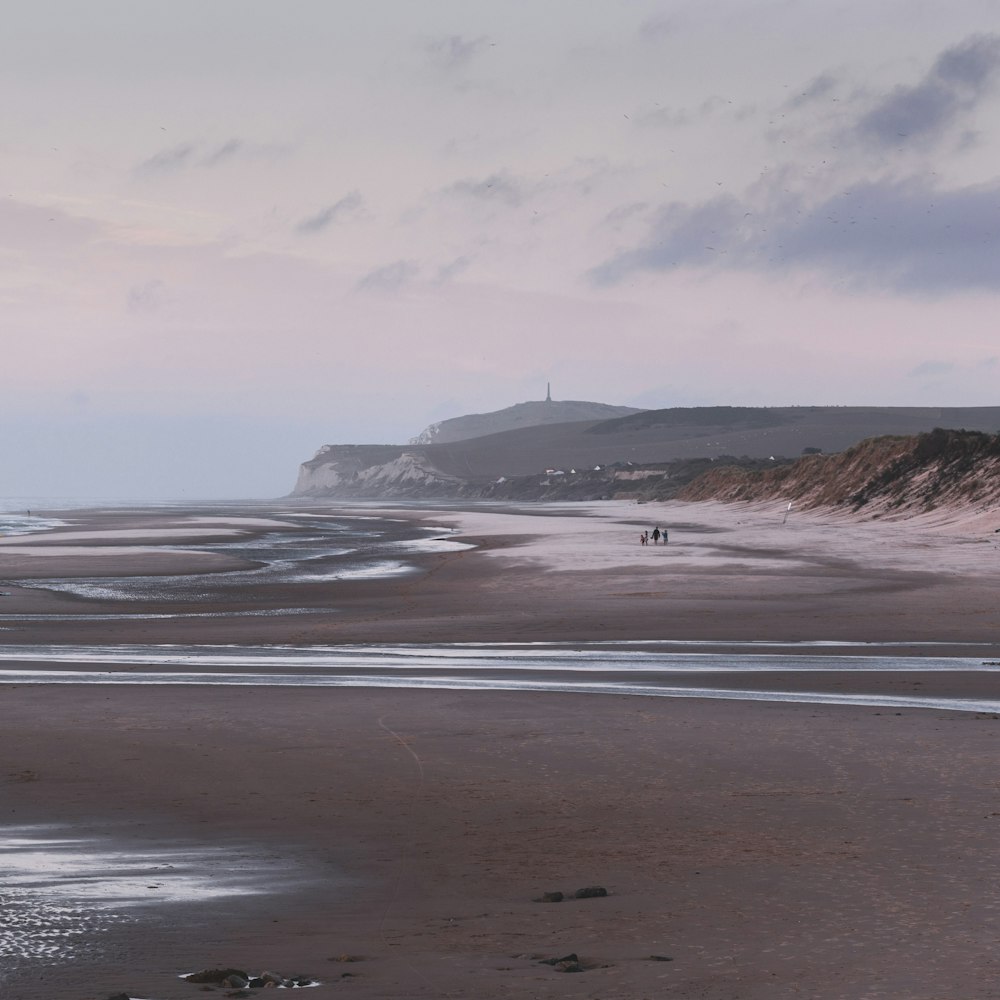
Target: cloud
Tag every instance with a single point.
(390, 278)
(932, 368)
(901, 235)
(497, 187)
(350, 206)
(224, 152)
(956, 82)
(191, 154)
(168, 160)
(680, 236)
(818, 88)
(971, 64)
(625, 213)
(672, 117)
(242, 149)
(452, 269)
(454, 52)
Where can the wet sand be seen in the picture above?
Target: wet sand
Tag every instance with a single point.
(576, 572)
(767, 849)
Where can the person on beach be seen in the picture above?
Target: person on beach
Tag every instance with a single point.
(644, 538)
(664, 536)
(656, 536)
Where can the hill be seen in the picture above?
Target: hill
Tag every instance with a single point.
(530, 414)
(647, 453)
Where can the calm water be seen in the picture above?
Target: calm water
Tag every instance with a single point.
(310, 547)
(586, 668)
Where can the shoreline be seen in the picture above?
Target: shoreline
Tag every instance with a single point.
(730, 573)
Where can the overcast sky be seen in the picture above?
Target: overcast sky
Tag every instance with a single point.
(234, 231)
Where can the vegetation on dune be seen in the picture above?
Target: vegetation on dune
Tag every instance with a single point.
(884, 474)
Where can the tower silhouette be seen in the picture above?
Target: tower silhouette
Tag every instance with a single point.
(548, 392)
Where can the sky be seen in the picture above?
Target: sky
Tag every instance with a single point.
(234, 231)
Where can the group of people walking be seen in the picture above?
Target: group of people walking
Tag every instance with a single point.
(657, 534)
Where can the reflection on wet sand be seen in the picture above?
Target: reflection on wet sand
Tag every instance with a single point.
(586, 668)
(61, 893)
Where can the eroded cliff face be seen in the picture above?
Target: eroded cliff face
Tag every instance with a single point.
(414, 472)
(373, 471)
(903, 475)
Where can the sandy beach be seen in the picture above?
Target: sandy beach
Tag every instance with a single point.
(572, 572)
(748, 849)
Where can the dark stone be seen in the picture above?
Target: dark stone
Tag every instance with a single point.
(591, 892)
(569, 967)
(552, 897)
(660, 958)
(216, 976)
(240, 981)
(556, 961)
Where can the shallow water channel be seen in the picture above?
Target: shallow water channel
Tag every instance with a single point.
(617, 668)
